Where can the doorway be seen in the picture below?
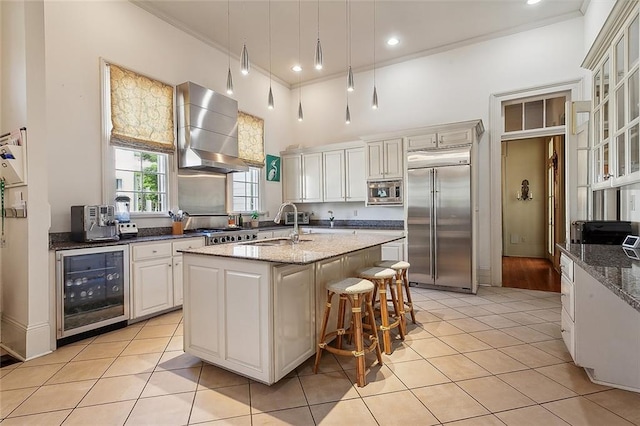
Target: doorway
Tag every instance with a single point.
(532, 212)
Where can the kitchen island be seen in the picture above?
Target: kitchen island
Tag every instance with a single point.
(255, 308)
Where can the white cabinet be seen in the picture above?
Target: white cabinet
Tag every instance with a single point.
(355, 174)
(292, 178)
(157, 275)
(567, 296)
(384, 159)
(441, 139)
(344, 175)
(302, 178)
(395, 250)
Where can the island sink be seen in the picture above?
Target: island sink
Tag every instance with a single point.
(275, 242)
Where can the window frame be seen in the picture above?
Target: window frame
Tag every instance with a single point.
(260, 186)
(109, 190)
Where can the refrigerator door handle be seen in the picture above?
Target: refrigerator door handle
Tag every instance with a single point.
(434, 225)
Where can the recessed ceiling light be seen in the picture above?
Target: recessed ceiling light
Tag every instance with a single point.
(533, 2)
(296, 68)
(393, 41)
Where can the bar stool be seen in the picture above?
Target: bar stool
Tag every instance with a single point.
(401, 267)
(356, 291)
(381, 277)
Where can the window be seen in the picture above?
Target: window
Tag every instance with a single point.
(246, 190)
(139, 117)
(538, 113)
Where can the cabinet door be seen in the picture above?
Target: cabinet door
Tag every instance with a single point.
(422, 141)
(312, 177)
(177, 281)
(393, 159)
(453, 138)
(393, 250)
(375, 160)
(293, 322)
(326, 271)
(334, 175)
(356, 189)
(152, 286)
(292, 178)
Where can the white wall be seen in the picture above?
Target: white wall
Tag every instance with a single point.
(446, 87)
(78, 34)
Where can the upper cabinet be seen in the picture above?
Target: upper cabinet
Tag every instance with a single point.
(302, 177)
(442, 139)
(613, 59)
(384, 159)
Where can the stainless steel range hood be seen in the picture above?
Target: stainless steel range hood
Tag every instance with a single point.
(207, 130)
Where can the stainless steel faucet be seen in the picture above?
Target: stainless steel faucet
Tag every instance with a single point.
(295, 235)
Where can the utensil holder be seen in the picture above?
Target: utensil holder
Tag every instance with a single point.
(177, 228)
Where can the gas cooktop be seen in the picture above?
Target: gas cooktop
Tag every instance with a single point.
(225, 235)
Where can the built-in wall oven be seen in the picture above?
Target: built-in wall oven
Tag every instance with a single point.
(92, 288)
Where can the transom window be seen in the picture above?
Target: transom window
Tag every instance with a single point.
(530, 114)
(246, 190)
(142, 176)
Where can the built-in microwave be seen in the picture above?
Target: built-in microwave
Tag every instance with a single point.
(303, 218)
(384, 193)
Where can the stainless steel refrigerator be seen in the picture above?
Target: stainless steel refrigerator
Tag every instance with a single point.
(439, 219)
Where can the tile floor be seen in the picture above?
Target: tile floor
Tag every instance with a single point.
(492, 359)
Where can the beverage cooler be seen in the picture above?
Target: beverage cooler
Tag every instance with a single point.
(92, 288)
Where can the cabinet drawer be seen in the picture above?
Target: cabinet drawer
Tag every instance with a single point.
(422, 141)
(567, 327)
(567, 295)
(462, 137)
(150, 251)
(566, 267)
(186, 244)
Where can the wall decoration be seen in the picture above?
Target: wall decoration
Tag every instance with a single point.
(273, 168)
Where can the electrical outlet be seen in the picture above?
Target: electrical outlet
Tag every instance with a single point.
(355, 213)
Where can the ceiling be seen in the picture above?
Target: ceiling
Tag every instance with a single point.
(422, 26)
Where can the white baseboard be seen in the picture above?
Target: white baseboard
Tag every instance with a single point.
(25, 342)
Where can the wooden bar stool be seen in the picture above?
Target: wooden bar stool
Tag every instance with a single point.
(401, 267)
(382, 277)
(356, 291)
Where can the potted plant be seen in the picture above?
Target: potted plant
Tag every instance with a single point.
(331, 218)
(254, 219)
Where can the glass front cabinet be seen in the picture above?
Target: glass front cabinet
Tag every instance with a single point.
(613, 59)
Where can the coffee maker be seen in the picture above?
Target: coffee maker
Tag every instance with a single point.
(126, 228)
(93, 223)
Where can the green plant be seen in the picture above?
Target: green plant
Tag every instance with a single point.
(331, 216)
(254, 215)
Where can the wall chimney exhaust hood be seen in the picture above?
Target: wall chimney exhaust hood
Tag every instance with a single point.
(207, 130)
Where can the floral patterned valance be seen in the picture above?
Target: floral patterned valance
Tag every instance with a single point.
(251, 139)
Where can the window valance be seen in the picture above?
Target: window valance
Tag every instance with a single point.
(141, 111)
(251, 139)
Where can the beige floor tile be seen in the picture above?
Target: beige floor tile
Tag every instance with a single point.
(179, 330)
(499, 298)
(63, 354)
(10, 399)
(526, 334)
(81, 370)
(523, 318)
(448, 402)
(231, 421)
(54, 397)
(427, 305)
(556, 348)
(328, 387)
(545, 303)
(418, 374)
(531, 356)
(473, 311)
(167, 409)
(431, 348)
(441, 328)
(328, 362)
(101, 350)
(469, 325)
(351, 412)
(580, 411)
(497, 321)
(220, 403)
(125, 334)
(549, 328)
(495, 394)
(401, 353)
(155, 331)
(498, 308)
(623, 403)
(174, 360)
(464, 343)
(174, 381)
(213, 377)
(537, 386)
(46, 419)
(447, 314)
(572, 377)
(415, 332)
(115, 413)
(424, 317)
(379, 379)
(479, 301)
(522, 306)
(134, 364)
(495, 361)
(530, 416)
(115, 389)
(169, 318)
(286, 393)
(453, 303)
(146, 346)
(399, 408)
(26, 377)
(300, 416)
(176, 344)
(496, 338)
(458, 367)
(489, 420)
(546, 314)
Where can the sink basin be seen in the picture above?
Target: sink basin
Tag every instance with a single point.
(274, 242)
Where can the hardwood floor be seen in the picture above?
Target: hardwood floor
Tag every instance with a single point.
(530, 273)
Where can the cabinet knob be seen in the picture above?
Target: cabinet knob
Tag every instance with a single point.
(154, 251)
(562, 330)
(170, 265)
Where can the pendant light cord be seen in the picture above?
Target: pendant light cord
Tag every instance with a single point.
(228, 37)
(269, 43)
(374, 43)
(299, 87)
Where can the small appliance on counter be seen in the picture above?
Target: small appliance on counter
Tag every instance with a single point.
(126, 229)
(612, 232)
(93, 223)
(303, 218)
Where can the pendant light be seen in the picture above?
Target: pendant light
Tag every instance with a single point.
(229, 78)
(300, 114)
(270, 104)
(348, 113)
(318, 57)
(244, 56)
(350, 82)
(374, 101)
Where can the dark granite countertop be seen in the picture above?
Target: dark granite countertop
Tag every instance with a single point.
(70, 245)
(610, 266)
